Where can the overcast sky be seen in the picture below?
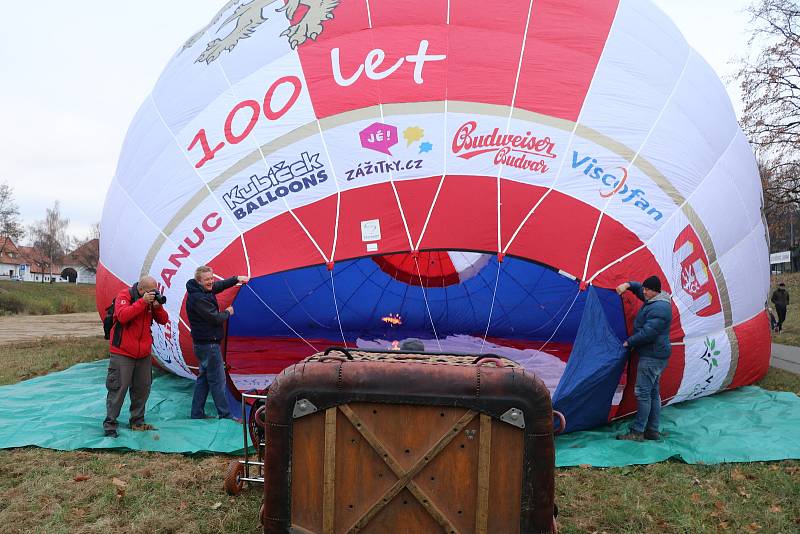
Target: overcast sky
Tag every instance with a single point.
(74, 74)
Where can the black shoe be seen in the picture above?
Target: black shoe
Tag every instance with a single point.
(632, 435)
(111, 433)
(652, 435)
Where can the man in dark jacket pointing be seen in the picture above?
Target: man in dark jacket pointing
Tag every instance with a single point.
(208, 328)
(651, 340)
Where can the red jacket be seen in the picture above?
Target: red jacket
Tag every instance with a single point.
(135, 319)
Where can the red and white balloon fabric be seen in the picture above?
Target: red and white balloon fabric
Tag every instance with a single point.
(455, 147)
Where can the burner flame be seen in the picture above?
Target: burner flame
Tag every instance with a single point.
(393, 319)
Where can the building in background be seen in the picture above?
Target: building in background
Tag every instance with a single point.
(26, 264)
(80, 265)
(12, 264)
(37, 269)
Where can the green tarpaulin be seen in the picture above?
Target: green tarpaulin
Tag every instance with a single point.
(65, 411)
(749, 424)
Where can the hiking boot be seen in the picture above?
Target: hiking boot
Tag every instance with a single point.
(110, 433)
(142, 427)
(632, 435)
(652, 435)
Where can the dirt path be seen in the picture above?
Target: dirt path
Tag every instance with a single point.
(18, 328)
(786, 357)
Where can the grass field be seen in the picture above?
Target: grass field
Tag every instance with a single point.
(22, 361)
(33, 298)
(55, 492)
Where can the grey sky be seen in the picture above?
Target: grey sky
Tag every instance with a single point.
(74, 74)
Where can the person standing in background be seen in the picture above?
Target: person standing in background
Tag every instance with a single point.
(780, 298)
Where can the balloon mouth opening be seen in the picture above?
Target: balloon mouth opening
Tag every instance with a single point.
(451, 301)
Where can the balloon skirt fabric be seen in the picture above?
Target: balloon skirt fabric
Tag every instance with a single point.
(65, 410)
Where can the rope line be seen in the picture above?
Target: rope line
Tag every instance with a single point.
(267, 306)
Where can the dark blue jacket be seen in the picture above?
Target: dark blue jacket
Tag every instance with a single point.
(651, 326)
(205, 319)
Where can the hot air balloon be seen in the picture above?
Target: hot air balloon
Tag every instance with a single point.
(479, 176)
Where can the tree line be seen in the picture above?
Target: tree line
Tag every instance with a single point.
(770, 84)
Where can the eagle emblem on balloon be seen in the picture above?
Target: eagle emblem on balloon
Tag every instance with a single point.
(249, 16)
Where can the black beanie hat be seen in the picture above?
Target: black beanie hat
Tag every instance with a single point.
(652, 283)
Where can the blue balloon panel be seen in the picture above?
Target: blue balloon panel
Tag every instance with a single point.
(517, 299)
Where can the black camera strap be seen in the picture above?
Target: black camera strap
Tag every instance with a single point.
(133, 291)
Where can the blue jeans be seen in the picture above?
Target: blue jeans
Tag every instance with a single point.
(211, 378)
(648, 394)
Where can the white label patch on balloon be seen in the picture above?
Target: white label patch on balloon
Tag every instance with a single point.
(371, 230)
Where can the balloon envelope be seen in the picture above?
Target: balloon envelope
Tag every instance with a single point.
(459, 172)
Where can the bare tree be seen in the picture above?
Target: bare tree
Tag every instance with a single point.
(87, 252)
(781, 185)
(50, 239)
(10, 225)
(770, 83)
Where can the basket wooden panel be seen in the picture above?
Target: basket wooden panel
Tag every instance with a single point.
(376, 468)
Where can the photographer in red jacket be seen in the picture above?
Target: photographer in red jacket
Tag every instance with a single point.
(135, 309)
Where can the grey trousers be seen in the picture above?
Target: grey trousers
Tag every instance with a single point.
(123, 374)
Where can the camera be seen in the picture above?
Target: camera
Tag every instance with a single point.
(158, 297)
